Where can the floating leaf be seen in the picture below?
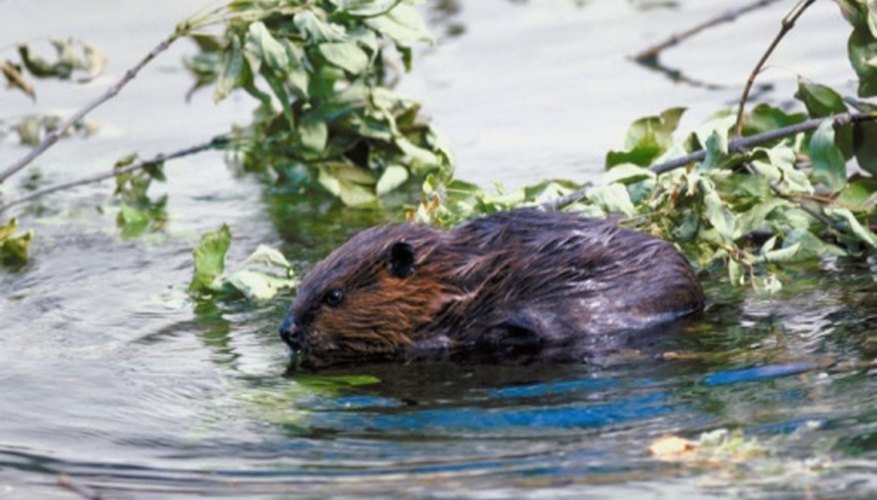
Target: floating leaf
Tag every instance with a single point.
(209, 258)
(13, 248)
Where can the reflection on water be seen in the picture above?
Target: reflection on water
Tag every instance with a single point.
(111, 375)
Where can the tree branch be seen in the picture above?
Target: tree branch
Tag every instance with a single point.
(740, 144)
(53, 136)
(787, 24)
(158, 159)
(652, 52)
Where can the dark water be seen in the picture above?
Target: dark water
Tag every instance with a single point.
(111, 376)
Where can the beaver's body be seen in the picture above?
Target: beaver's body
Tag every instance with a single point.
(510, 283)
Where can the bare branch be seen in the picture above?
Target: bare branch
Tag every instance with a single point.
(652, 52)
(787, 24)
(216, 142)
(53, 136)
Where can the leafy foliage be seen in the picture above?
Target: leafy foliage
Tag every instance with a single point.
(260, 276)
(13, 247)
(325, 116)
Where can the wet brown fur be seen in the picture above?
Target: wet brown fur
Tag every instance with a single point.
(515, 282)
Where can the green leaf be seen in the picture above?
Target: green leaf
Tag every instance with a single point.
(314, 135)
(393, 177)
(231, 71)
(364, 8)
(647, 138)
(403, 24)
(862, 47)
(820, 100)
(856, 227)
(272, 52)
(859, 195)
(258, 286)
(865, 145)
(346, 56)
(614, 199)
(13, 248)
(716, 150)
(627, 173)
(765, 117)
(829, 167)
(209, 258)
(722, 219)
(316, 30)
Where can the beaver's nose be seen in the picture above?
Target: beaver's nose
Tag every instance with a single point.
(291, 333)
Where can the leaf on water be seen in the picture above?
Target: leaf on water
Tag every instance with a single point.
(673, 448)
(393, 177)
(209, 258)
(829, 166)
(257, 286)
(268, 256)
(346, 56)
(403, 24)
(14, 247)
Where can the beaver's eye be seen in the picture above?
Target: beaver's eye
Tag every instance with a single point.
(333, 297)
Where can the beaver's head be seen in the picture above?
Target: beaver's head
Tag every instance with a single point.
(367, 299)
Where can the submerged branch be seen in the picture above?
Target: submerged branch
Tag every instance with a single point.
(158, 159)
(652, 52)
(787, 25)
(53, 136)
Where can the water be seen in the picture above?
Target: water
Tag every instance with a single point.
(110, 376)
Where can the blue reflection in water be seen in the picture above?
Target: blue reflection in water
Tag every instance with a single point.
(570, 416)
(759, 373)
(565, 387)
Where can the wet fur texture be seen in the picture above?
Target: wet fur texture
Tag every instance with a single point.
(516, 284)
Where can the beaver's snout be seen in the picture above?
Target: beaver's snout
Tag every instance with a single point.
(291, 333)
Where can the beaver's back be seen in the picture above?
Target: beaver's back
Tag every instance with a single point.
(548, 277)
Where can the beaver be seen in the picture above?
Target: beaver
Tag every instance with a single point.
(542, 285)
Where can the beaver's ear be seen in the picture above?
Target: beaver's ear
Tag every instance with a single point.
(400, 260)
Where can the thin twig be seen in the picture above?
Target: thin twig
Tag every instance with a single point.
(740, 144)
(819, 216)
(786, 26)
(52, 137)
(652, 52)
(158, 159)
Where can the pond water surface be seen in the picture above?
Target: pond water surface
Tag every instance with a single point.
(112, 377)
